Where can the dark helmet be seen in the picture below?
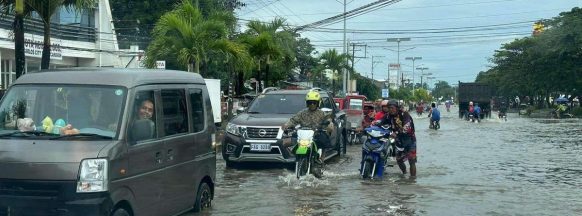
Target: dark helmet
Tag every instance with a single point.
(393, 103)
(433, 105)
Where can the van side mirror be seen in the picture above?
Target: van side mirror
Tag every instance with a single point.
(142, 129)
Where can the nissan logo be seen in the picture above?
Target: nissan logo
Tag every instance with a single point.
(262, 132)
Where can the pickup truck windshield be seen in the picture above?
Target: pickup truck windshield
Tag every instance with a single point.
(62, 110)
(278, 104)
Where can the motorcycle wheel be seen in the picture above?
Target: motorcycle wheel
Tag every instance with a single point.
(301, 167)
(367, 173)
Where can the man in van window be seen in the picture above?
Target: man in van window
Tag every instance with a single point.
(146, 109)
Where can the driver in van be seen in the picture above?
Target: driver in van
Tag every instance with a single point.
(312, 117)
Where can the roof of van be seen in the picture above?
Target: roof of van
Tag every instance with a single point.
(303, 92)
(110, 76)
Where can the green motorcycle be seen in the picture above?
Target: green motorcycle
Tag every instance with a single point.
(307, 153)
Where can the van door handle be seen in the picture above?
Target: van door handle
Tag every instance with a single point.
(158, 158)
(170, 154)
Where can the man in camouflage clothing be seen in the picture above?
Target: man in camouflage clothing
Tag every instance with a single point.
(311, 117)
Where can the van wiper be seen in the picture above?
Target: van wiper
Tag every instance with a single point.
(82, 135)
(27, 133)
(253, 112)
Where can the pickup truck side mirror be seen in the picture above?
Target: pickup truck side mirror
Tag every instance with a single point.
(240, 110)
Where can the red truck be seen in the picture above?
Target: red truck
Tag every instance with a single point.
(354, 108)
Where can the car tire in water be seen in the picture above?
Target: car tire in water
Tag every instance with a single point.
(203, 198)
(341, 145)
(120, 212)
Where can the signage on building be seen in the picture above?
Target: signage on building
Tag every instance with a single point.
(33, 45)
(161, 64)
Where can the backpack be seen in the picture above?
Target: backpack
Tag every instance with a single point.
(436, 114)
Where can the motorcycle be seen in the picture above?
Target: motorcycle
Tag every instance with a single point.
(376, 151)
(471, 117)
(434, 125)
(306, 152)
(502, 115)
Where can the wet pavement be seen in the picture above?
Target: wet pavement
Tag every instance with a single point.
(520, 167)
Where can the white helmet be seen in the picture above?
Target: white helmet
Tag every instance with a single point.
(470, 103)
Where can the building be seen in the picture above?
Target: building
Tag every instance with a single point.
(79, 39)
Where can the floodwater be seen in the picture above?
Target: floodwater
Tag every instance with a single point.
(520, 167)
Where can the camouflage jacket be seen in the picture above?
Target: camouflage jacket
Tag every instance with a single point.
(307, 118)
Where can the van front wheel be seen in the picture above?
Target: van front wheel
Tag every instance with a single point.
(120, 212)
(203, 198)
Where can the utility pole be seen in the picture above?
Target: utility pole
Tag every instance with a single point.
(398, 40)
(374, 62)
(345, 46)
(413, 59)
(422, 74)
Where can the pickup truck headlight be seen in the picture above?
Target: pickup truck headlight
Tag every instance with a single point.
(92, 176)
(233, 129)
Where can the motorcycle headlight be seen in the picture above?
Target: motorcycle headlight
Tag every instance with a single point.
(304, 143)
(233, 129)
(92, 176)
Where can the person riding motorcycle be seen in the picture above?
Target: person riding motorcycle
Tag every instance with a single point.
(312, 117)
(403, 131)
(502, 109)
(434, 114)
(380, 115)
(477, 112)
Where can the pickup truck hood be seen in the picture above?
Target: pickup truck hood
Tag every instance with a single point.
(45, 159)
(247, 119)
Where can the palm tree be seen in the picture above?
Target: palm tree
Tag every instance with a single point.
(46, 9)
(335, 62)
(20, 10)
(268, 42)
(186, 35)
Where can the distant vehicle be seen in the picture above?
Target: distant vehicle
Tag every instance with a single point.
(354, 109)
(523, 109)
(477, 93)
(339, 103)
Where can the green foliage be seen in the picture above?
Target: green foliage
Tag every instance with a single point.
(401, 94)
(421, 95)
(134, 19)
(548, 63)
(186, 38)
(335, 62)
(443, 89)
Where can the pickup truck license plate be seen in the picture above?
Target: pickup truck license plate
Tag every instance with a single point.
(261, 147)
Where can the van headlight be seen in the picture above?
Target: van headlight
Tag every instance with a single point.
(92, 176)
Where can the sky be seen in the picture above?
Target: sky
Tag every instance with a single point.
(455, 38)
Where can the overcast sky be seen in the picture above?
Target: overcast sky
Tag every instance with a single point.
(455, 38)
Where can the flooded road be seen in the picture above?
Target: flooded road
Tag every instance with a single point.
(519, 167)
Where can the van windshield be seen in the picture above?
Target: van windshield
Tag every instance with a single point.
(62, 110)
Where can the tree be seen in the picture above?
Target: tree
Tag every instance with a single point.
(304, 56)
(443, 89)
(268, 42)
(548, 63)
(134, 19)
(186, 38)
(20, 9)
(335, 62)
(46, 9)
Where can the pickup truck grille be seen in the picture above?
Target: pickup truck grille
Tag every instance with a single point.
(262, 133)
